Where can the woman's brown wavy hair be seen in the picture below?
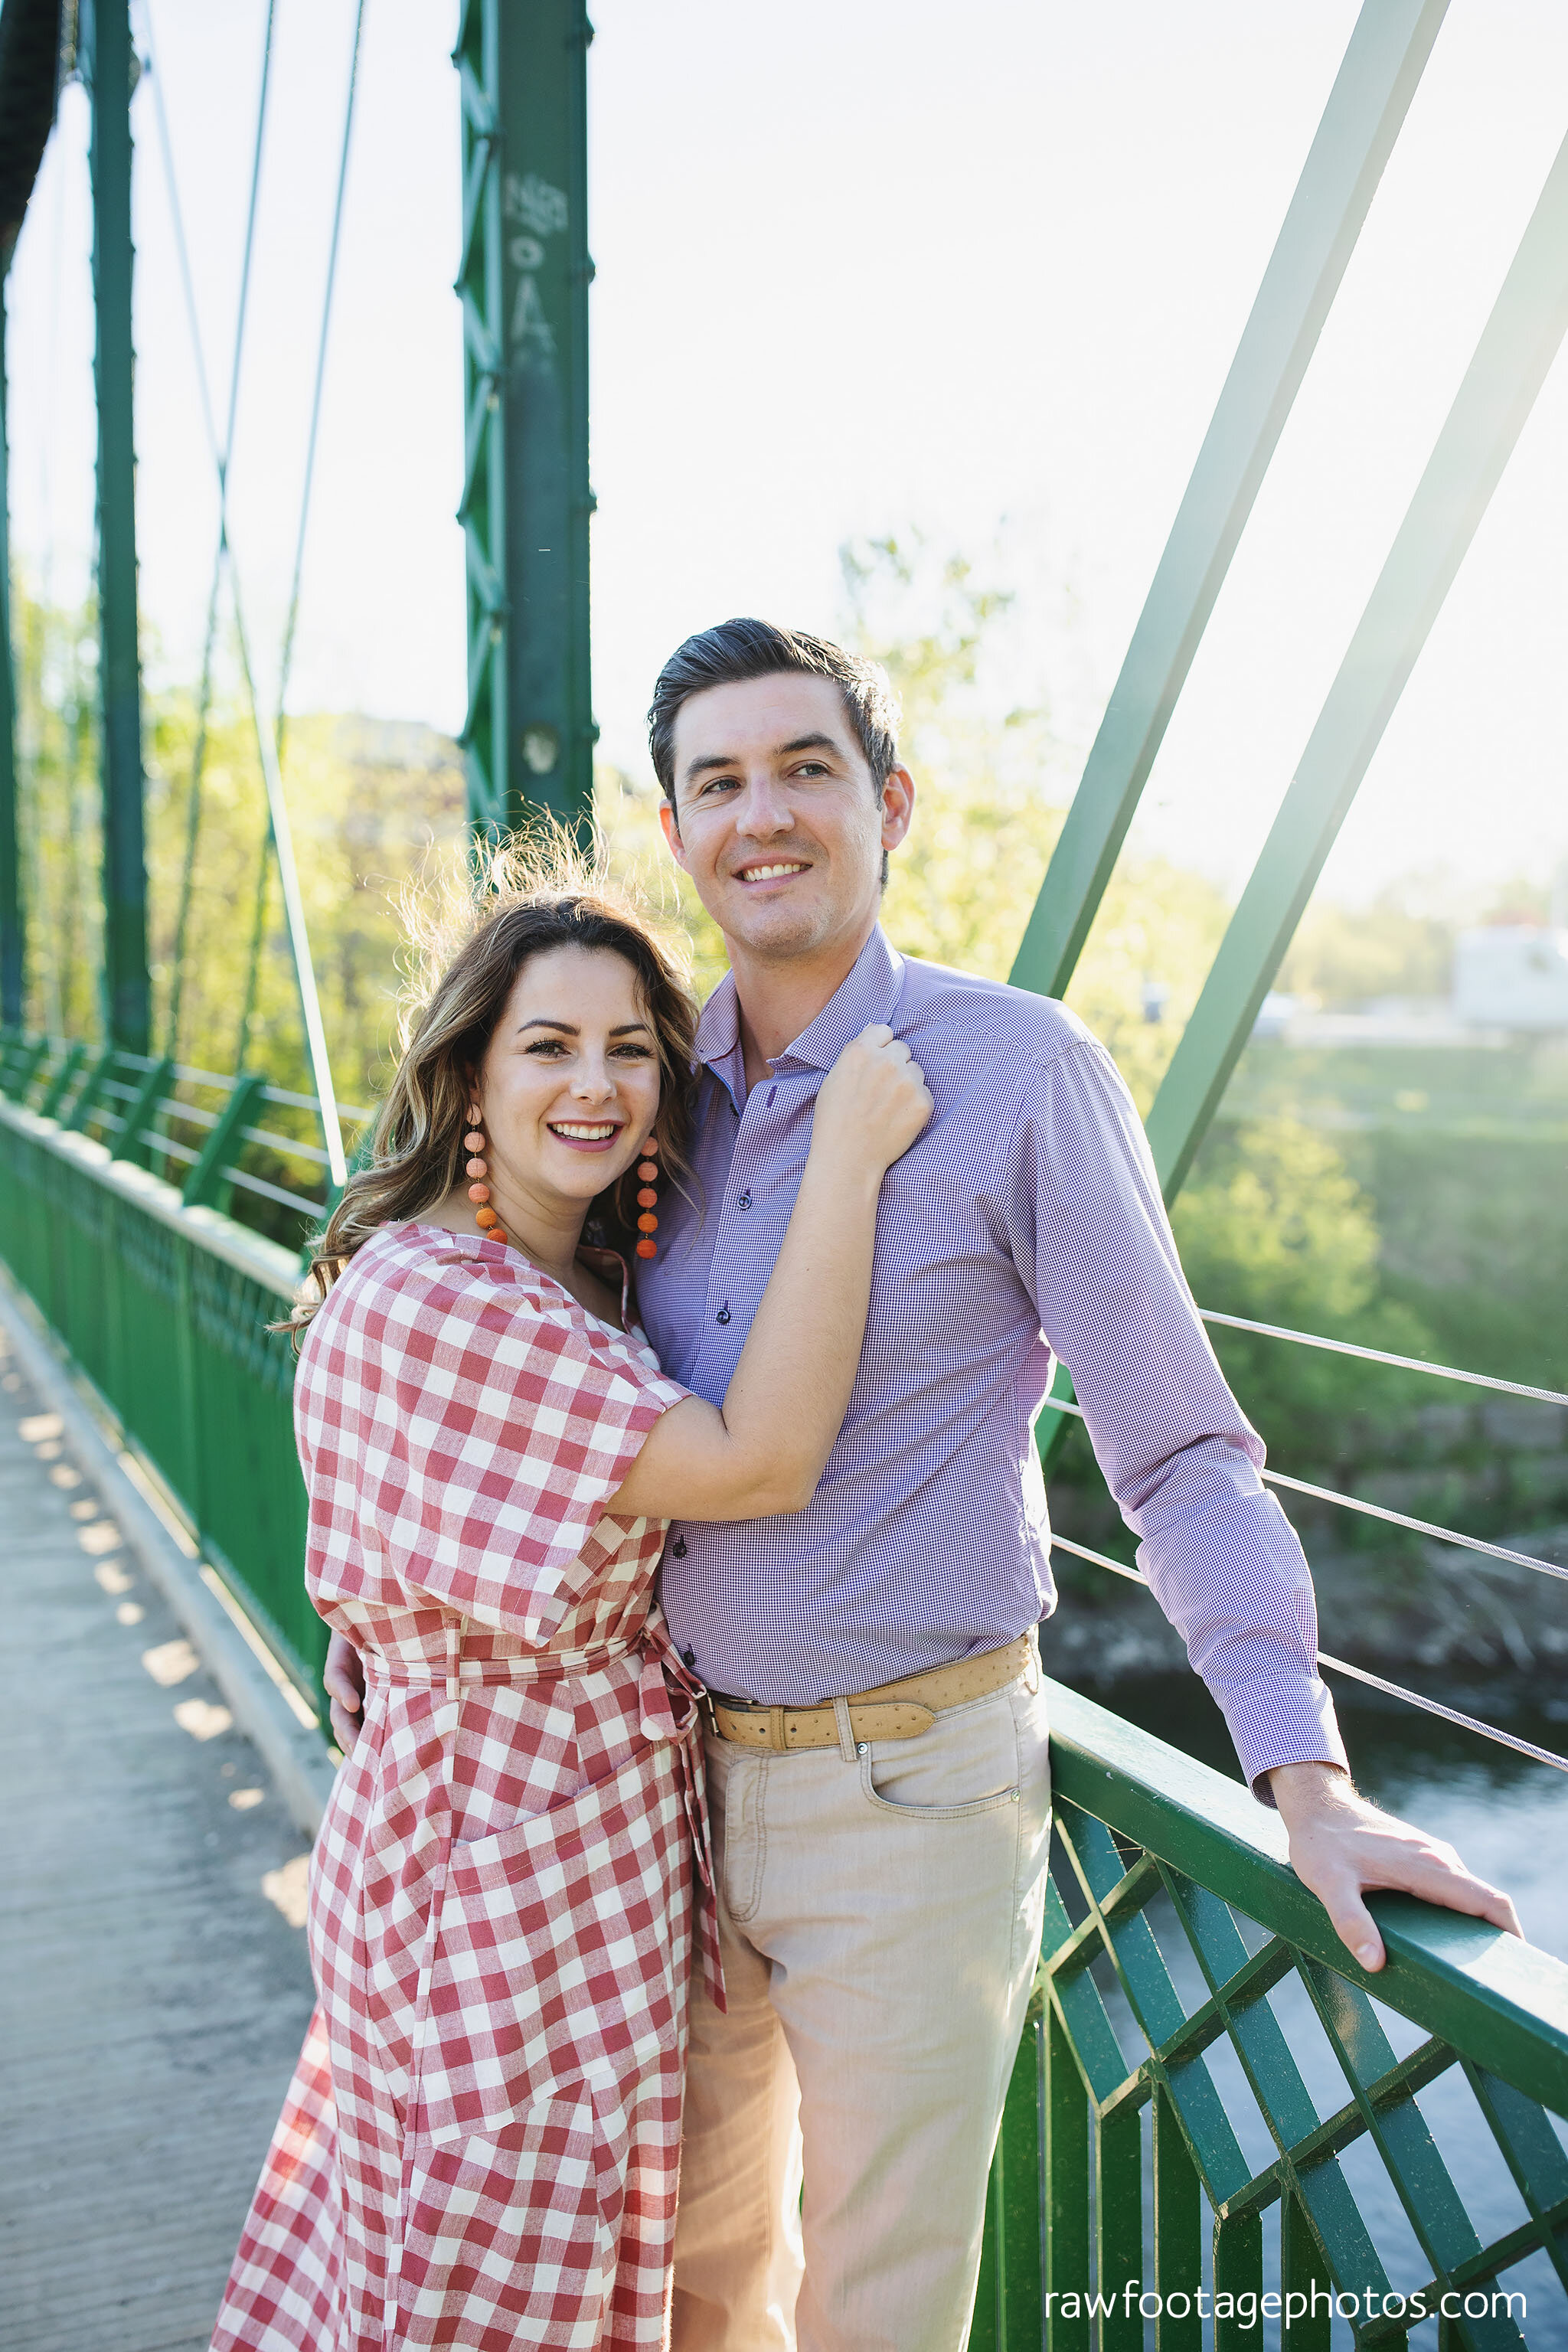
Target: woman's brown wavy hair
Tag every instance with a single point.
(517, 900)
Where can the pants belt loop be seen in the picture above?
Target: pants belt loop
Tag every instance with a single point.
(776, 1739)
(841, 1717)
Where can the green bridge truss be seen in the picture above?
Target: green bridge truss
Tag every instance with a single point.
(1219, 2131)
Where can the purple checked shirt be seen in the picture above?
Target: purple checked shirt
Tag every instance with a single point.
(1025, 1224)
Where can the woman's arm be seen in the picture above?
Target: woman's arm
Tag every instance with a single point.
(764, 1448)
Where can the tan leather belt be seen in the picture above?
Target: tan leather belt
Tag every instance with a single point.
(900, 1710)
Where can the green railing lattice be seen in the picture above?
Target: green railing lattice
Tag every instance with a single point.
(163, 1309)
(1209, 2108)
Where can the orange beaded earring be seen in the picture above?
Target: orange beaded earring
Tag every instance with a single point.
(648, 1199)
(485, 1217)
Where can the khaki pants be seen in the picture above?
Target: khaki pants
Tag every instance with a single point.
(880, 1917)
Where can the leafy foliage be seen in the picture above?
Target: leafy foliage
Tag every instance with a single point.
(55, 664)
(991, 794)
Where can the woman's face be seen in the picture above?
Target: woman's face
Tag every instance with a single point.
(569, 1085)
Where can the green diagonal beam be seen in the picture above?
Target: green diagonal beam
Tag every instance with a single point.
(1383, 63)
(1517, 347)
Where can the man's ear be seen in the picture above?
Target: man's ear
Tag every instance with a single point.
(669, 824)
(897, 806)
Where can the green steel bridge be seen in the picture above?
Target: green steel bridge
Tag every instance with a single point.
(1212, 2105)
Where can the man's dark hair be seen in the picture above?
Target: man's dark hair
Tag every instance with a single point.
(741, 649)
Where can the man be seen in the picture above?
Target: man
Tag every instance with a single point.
(877, 1750)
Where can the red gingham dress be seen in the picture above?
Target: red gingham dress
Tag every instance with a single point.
(480, 2143)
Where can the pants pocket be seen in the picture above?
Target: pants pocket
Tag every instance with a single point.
(964, 1765)
(556, 1959)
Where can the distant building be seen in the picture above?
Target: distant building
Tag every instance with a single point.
(1277, 1011)
(1511, 976)
(1392, 1020)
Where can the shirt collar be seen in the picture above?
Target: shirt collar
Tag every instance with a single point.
(870, 990)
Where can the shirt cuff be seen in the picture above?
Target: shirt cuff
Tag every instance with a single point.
(1288, 1719)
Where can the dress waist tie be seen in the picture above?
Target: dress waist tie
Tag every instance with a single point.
(670, 1695)
(454, 1664)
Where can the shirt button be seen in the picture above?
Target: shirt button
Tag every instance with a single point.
(744, 1202)
(690, 1656)
(723, 1314)
(679, 1548)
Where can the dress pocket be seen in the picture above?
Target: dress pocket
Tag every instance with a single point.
(562, 1951)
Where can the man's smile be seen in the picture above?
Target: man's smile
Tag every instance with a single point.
(777, 870)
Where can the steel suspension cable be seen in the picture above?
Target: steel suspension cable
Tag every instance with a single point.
(1358, 1673)
(1381, 1356)
(1416, 1527)
(278, 837)
(1374, 1510)
(222, 453)
(331, 1132)
(286, 658)
(282, 841)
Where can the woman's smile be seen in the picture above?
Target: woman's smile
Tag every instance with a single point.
(585, 1135)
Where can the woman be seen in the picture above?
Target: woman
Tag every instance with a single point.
(480, 2143)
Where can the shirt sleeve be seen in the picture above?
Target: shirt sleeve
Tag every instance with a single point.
(513, 1416)
(1089, 1237)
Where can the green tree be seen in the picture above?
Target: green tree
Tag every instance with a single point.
(626, 811)
(991, 780)
(1344, 956)
(56, 658)
(1273, 1227)
(961, 885)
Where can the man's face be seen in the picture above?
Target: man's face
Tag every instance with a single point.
(776, 818)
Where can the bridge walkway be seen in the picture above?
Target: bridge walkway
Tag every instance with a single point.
(153, 1982)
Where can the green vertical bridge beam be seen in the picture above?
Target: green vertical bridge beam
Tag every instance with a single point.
(13, 922)
(1516, 349)
(523, 281)
(1372, 93)
(105, 49)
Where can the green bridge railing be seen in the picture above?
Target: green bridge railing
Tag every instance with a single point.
(1219, 2131)
(1211, 2109)
(161, 1303)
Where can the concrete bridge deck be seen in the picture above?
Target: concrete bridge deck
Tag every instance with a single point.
(154, 1983)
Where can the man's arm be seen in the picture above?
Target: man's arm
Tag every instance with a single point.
(1091, 1239)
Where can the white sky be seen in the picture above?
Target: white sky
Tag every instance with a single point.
(861, 266)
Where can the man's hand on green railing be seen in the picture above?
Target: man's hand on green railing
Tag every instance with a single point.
(342, 1679)
(1342, 1847)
